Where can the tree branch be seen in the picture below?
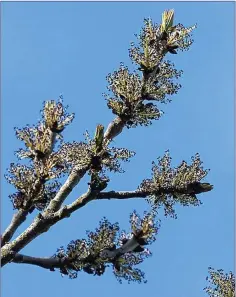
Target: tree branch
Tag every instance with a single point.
(42, 223)
(17, 220)
(193, 188)
(109, 255)
(72, 180)
(122, 194)
(114, 128)
(48, 263)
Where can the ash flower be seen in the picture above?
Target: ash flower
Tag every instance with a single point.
(180, 184)
(55, 116)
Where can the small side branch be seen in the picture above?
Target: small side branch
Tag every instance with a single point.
(122, 194)
(192, 188)
(67, 210)
(47, 263)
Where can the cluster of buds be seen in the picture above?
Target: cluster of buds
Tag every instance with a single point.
(95, 153)
(105, 246)
(223, 283)
(32, 192)
(156, 40)
(55, 116)
(45, 164)
(129, 96)
(40, 140)
(158, 82)
(181, 184)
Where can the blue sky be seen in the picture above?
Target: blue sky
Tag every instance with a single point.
(68, 48)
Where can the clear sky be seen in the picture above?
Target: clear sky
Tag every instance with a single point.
(68, 48)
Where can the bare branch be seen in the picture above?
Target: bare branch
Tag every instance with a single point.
(114, 128)
(194, 188)
(65, 190)
(17, 220)
(122, 194)
(48, 263)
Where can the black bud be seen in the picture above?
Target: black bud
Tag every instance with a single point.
(172, 51)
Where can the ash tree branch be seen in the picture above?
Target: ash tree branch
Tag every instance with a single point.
(113, 129)
(109, 255)
(47, 263)
(42, 223)
(72, 180)
(54, 213)
(17, 220)
(192, 188)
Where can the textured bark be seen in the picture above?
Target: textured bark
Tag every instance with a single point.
(42, 223)
(17, 220)
(114, 129)
(72, 180)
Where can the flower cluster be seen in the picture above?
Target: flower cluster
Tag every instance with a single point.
(55, 116)
(127, 103)
(162, 84)
(85, 153)
(37, 140)
(129, 273)
(224, 284)
(147, 225)
(181, 184)
(86, 254)
(125, 85)
(154, 43)
(40, 140)
(31, 188)
(76, 154)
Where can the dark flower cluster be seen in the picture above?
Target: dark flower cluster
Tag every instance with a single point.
(170, 185)
(127, 103)
(113, 157)
(86, 254)
(146, 52)
(37, 140)
(103, 237)
(129, 273)
(76, 154)
(223, 283)
(31, 188)
(84, 154)
(162, 84)
(125, 85)
(143, 115)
